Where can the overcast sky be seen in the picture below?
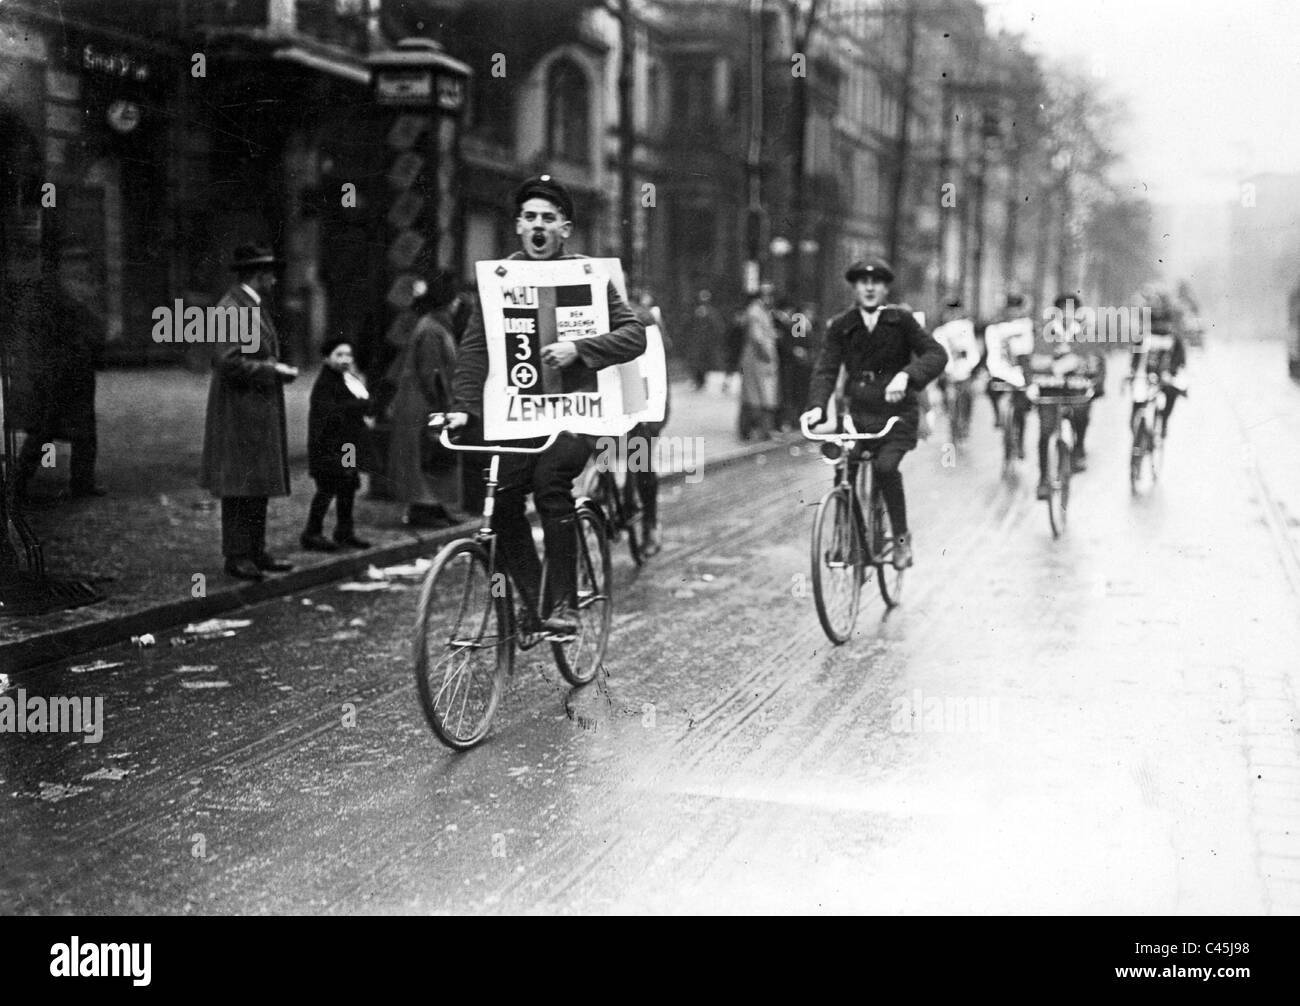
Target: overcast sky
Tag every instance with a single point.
(1213, 87)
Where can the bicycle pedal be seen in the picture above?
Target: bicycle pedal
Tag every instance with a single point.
(559, 637)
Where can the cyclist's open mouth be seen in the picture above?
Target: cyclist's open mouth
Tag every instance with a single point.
(539, 240)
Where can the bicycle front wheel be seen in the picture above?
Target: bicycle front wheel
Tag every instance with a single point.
(581, 658)
(463, 649)
(1139, 454)
(837, 558)
(1058, 474)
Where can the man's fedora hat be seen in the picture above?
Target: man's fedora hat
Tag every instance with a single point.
(544, 187)
(253, 256)
(872, 268)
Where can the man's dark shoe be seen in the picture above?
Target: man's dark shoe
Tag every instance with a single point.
(563, 622)
(1077, 464)
(651, 545)
(902, 551)
(350, 541)
(1044, 490)
(244, 569)
(268, 564)
(317, 543)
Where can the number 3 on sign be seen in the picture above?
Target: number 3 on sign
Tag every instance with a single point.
(525, 350)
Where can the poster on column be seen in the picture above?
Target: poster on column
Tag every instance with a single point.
(528, 305)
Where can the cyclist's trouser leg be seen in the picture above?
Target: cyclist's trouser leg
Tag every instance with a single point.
(995, 399)
(515, 549)
(1171, 396)
(1046, 426)
(1019, 410)
(553, 477)
(1080, 416)
(642, 442)
(889, 483)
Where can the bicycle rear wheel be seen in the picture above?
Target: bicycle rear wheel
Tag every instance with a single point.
(463, 649)
(837, 558)
(581, 658)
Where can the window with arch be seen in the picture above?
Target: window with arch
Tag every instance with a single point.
(568, 112)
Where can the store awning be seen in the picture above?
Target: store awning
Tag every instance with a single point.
(323, 64)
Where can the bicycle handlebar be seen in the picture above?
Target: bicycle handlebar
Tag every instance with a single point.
(438, 420)
(850, 431)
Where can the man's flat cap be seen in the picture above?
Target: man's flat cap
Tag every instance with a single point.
(544, 187)
(872, 268)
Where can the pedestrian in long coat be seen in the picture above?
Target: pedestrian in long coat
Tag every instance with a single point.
(759, 374)
(245, 442)
(425, 475)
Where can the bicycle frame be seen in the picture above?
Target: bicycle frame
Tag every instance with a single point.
(845, 441)
(485, 535)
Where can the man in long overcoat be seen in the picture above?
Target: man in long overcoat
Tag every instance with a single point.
(245, 443)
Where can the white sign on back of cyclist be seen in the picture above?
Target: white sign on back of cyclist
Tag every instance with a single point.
(528, 305)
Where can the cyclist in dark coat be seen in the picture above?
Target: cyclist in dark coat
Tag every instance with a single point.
(888, 358)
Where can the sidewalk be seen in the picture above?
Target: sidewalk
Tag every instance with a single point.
(144, 543)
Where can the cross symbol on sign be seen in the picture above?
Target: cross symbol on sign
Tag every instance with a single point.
(524, 375)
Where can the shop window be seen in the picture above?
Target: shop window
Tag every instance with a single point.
(568, 113)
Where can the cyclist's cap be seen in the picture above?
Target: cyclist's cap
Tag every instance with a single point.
(1065, 299)
(545, 187)
(872, 268)
(1015, 300)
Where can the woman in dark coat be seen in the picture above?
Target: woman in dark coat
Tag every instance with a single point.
(425, 475)
(338, 446)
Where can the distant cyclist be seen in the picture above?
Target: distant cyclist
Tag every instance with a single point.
(1062, 362)
(888, 358)
(1008, 345)
(956, 335)
(1161, 352)
(1063, 329)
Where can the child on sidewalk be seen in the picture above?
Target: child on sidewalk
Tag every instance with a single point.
(338, 446)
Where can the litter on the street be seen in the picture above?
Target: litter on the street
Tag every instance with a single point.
(216, 625)
(98, 665)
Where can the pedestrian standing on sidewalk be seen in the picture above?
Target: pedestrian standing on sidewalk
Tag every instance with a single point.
(245, 444)
(759, 376)
(63, 392)
(706, 334)
(338, 447)
(425, 475)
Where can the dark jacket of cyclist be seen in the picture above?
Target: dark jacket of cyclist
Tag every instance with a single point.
(888, 358)
(544, 211)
